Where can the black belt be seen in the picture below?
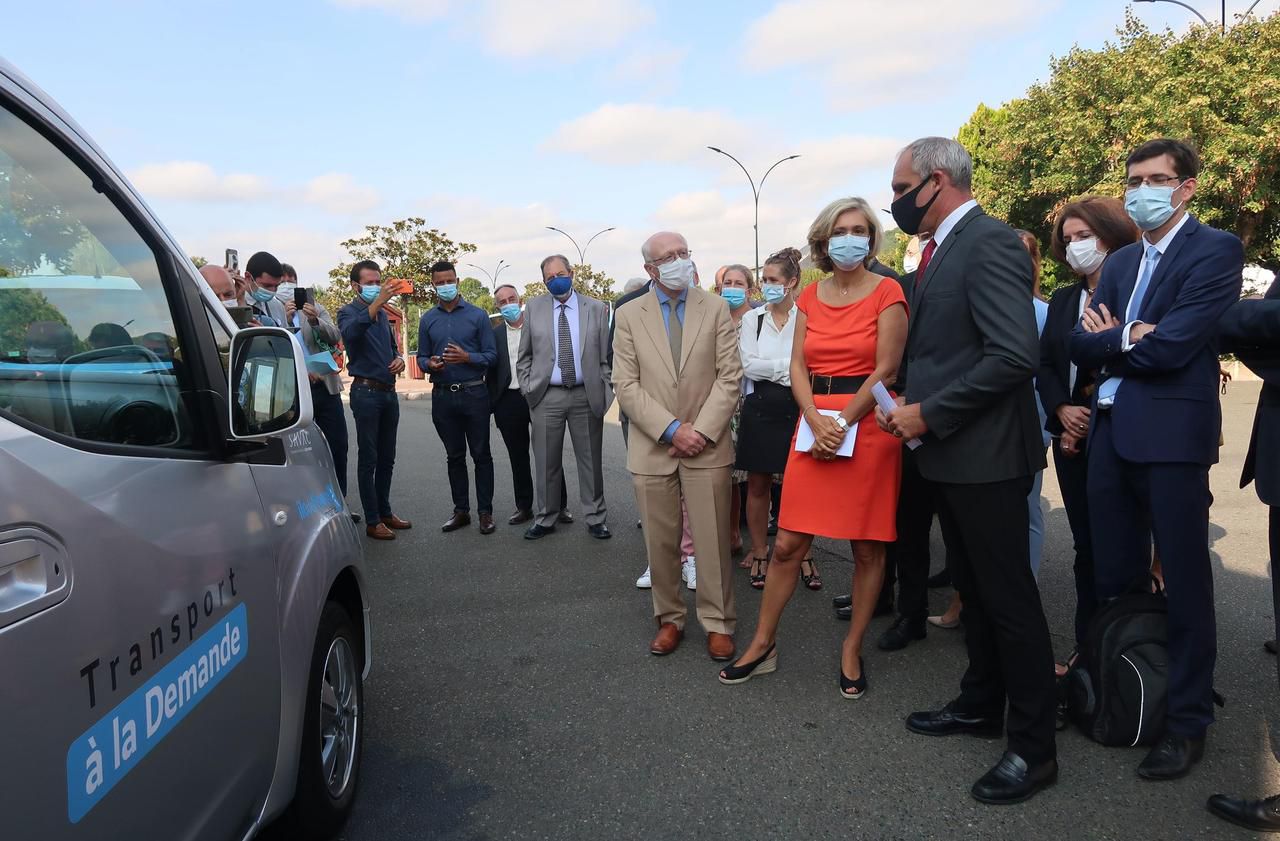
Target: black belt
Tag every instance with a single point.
(376, 385)
(822, 384)
(569, 387)
(459, 386)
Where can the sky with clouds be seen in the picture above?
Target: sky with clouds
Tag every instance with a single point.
(289, 125)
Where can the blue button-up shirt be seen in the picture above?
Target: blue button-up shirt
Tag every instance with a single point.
(466, 326)
(667, 303)
(370, 345)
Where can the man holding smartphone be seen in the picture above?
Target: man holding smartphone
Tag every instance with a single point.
(265, 275)
(456, 347)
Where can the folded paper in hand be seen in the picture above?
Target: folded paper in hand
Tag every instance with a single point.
(805, 439)
(887, 404)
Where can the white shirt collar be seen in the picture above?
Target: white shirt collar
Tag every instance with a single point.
(1163, 245)
(953, 218)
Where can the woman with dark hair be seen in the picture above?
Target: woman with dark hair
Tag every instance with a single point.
(1085, 232)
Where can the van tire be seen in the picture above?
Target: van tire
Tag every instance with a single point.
(316, 813)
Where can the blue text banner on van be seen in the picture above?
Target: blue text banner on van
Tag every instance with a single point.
(112, 747)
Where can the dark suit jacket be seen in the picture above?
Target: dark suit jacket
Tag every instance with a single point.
(1053, 380)
(1167, 409)
(972, 349)
(1251, 330)
(499, 377)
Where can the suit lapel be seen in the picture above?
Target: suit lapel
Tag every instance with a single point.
(1166, 261)
(935, 262)
(584, 318)
(694, 315)
(656, 328)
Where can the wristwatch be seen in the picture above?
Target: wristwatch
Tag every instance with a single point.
(842, 423)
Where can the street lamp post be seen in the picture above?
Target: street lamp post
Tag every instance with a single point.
(493, 278)
(755, 192)
(582, 252)
(1204, 19)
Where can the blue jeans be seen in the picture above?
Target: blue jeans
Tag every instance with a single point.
(377, 416)
(462, 420)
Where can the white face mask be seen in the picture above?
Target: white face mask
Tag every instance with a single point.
(231, 303)
(910, 262)
(678, 274)
(284, 292)
(1084, 257)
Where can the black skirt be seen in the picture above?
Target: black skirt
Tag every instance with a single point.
(768, 422)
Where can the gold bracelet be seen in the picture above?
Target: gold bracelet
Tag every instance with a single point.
(811, 406)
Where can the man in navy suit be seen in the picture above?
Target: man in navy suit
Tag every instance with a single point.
(1152, 331)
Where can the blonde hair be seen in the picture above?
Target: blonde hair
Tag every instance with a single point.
(820, 230)
(746, 273)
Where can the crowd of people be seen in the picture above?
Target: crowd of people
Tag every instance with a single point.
(862, 407)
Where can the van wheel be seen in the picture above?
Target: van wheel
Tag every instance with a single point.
(332, 732)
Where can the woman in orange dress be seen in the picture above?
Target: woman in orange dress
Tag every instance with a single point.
(849, 335)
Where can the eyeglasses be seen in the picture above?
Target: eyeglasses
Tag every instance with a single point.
(1151, 180)
(672, 257)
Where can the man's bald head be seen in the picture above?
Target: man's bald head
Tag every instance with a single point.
(661, 244)
(219, 281)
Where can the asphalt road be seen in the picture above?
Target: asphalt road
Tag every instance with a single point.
(513, 696)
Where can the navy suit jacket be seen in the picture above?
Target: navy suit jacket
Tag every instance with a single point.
(1251, 330)
(1167, 408)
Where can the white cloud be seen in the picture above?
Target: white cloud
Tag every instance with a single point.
(338, 192)
(196, 181)
(626, 134)
(417, 11)
(868, 52)
(658, 66)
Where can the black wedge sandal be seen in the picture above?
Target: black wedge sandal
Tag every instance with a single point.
(852, 690)
(766, 664)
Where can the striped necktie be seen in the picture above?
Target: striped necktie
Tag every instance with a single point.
(564, 356)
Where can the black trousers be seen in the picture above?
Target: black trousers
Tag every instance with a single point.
(1073, 480)
(909, 556)
(1007, 637)
(332, 420)
(461, 419)
(511, 415)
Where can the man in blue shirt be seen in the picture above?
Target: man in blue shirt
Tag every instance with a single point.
(373, 363)
(456, 346)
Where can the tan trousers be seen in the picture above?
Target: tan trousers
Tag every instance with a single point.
(706, 495)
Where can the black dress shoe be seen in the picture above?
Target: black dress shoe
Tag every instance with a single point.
(1012, 781)
(842, 601)
(941, 579)
(522, 515)
(565, 517)
(950, 721)
(457, 521)
(1171, 757)
(902, 633)
(536, 531)
(600, 531)
(1258, 815)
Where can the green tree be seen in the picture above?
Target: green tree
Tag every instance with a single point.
(35, 228)
(404, 249)
(19, 309)
(1069, 136)
(200, 262)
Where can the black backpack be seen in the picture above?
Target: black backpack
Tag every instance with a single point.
(1115, 692)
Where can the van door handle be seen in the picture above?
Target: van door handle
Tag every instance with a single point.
(33, 575)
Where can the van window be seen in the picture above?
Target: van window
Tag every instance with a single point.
(87, 343)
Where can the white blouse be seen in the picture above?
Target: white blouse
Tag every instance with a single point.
(769, 356)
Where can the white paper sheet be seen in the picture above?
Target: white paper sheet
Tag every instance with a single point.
(804, 435)
(887, 404)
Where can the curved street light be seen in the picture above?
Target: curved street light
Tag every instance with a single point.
(755, 191)
(582, 252)
(1204, 19)
(493, 278)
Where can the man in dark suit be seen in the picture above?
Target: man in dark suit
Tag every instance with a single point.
(971, 352)
(1251, 330)
(1151, 330)
(511, 410)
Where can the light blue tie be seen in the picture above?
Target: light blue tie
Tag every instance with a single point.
(1107, 391)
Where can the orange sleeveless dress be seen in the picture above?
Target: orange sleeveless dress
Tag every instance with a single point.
(848, 498)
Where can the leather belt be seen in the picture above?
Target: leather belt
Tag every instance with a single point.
(376, 385)
(822, 384)
(460, 386)
(569, 387)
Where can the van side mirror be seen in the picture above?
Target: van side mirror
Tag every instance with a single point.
(268, 384)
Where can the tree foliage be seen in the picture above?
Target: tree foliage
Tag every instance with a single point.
(1069, 136)
(403, 249)
(35, 227)
(199, 262)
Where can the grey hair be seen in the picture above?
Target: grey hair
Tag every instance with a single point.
(502, 286)
(633, 284)
(929, 154)
(542, 268)
(644, 249)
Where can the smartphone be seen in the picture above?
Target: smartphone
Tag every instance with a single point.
(406, 287)
(241, 315)
(232, 261)
(300, 298)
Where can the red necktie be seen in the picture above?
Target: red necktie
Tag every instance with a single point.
(925, 256)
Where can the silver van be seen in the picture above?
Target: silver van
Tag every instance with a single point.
(184, 628)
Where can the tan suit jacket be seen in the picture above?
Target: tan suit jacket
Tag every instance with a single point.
(652, 393)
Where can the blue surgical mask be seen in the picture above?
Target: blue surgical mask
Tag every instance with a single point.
(559, 285)
(736, 297)
(261, 295)
(848, 250)
(511, 312)
(773, 292)
(447, 291)
(370, 293)
(1150, 207)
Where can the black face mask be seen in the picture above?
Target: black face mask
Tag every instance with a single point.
(906, 214)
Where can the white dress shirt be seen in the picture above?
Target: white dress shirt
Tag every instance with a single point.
(769, 356)
(953, 219)
(513, 351)
(571, 313)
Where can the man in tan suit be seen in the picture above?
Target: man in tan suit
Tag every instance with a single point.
(676, 372)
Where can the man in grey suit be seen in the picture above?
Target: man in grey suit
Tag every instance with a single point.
(563, 371)
(971, 352)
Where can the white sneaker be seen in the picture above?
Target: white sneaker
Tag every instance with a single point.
(689, 572)
(645, 581)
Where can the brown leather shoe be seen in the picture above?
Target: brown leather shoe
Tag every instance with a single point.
(720, 646)
(457, 521)
(394, 522)
(486, 524)
(380, 532)
(523, 515)
(667, 640)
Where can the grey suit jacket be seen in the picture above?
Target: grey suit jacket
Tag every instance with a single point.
(972, 350)
(329, 334)
(538, 351)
